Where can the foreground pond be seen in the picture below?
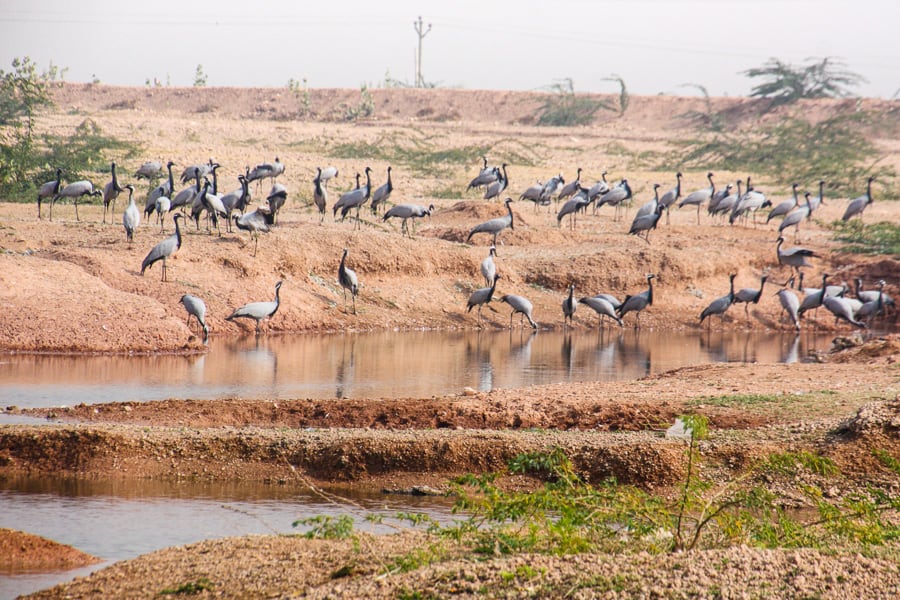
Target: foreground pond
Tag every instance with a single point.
(385, 365)
(119, 520)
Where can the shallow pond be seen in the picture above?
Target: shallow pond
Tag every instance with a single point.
(118, 520)
(384, 365)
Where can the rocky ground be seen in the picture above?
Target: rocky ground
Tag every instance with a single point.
(79, 285)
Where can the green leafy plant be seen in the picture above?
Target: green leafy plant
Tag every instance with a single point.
(564, 108)
(624, 97)
(200, 77)
(860, 238)
(364, 108)
(192, 588)
(785, 83)
(300, 90)
(327, 527)
(793, 150)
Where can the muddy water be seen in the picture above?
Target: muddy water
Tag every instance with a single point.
(118, 520)
(413, 364)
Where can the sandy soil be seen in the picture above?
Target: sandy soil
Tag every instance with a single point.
(80, 287)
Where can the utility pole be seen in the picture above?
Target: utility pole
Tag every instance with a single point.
(417, 25)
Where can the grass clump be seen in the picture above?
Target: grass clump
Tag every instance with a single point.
(881, 238)
(732, 400)
(191, 588)
(564, 108)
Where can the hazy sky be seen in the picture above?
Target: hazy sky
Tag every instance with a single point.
(656, 46)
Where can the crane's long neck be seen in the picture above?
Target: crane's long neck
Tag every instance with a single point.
(869, 192)
(58, 181)
(368, 183)
(215, 183)
(171, 179)
(650, 291)
(177, 234)
(390, 184)
(571, 294)
(197, 177)
(510, 215)
(762, 284)
(712, 185)
(731, 288)
(115, 180)
(277, 295)
(678, 184)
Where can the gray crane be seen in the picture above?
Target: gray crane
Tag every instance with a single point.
(163, 250)
(783, 208)
(551, 187)
(700, 197)
(327, 174)
(186, 196)
(258, 311)
(266, 170)
(495, 226)
(320, 194)
(188, 173)
(486, 176)
(615, 197)
(488, 268)
(638, 302)
(872, 295)
(111, 191)
(603, 309)
(348, 279)
(571, 207)
(872, 308)
(521, 305)
(213, 205)
(276, 200)
(795, 217)
(571, 188)
(382, 193)
(817, 201)
(842, 309)
(74, 191)
(494, 189)
(346, 196)
(726, 204)
(646, 223)
(149, 170)
(356, 198)
(749, 296)
(814, 297)
(254, 222)
(163, 205)
(482, 296)
(859, 204)
(166, 188)
(236, 200)
(718, 197)
(649, 208)
(790, 303)
(49, 189)
(599, 188)
(405, 212)
(720, 305)
(672, 196)
(751, 201)
(131, 218)
(568, 306)
(533, 193)
(793, 257)
(195, 307)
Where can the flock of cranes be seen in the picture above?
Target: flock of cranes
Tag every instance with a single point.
(200, 195)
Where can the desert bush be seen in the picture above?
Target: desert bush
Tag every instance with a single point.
(785, 83)
(564, 108)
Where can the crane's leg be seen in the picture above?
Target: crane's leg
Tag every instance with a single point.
(698, 214)
(164, 269)
(76, 210)
(354, 303)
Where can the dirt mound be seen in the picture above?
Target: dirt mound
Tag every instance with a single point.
(25, 553)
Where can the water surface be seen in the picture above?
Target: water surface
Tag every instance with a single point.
(382, 365)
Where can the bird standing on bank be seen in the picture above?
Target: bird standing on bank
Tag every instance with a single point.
(482, 296)
(195, 307)
(163, 250)
(603, 308)
(638, 302)
(521, 305)
(258, 311)
(495, 226)
(49, 189)
(720, 305)
(320, 194)
(859, 204)
(568, 306)
(382, 193)
(749, 296)
(488, 267)
(131, 218)
(111, 191)
(348, 279)
(405, 212)
(74, 191)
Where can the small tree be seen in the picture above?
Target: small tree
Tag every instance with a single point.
(786, 83)
(564, 108)
(23, 92)
(199, 77)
